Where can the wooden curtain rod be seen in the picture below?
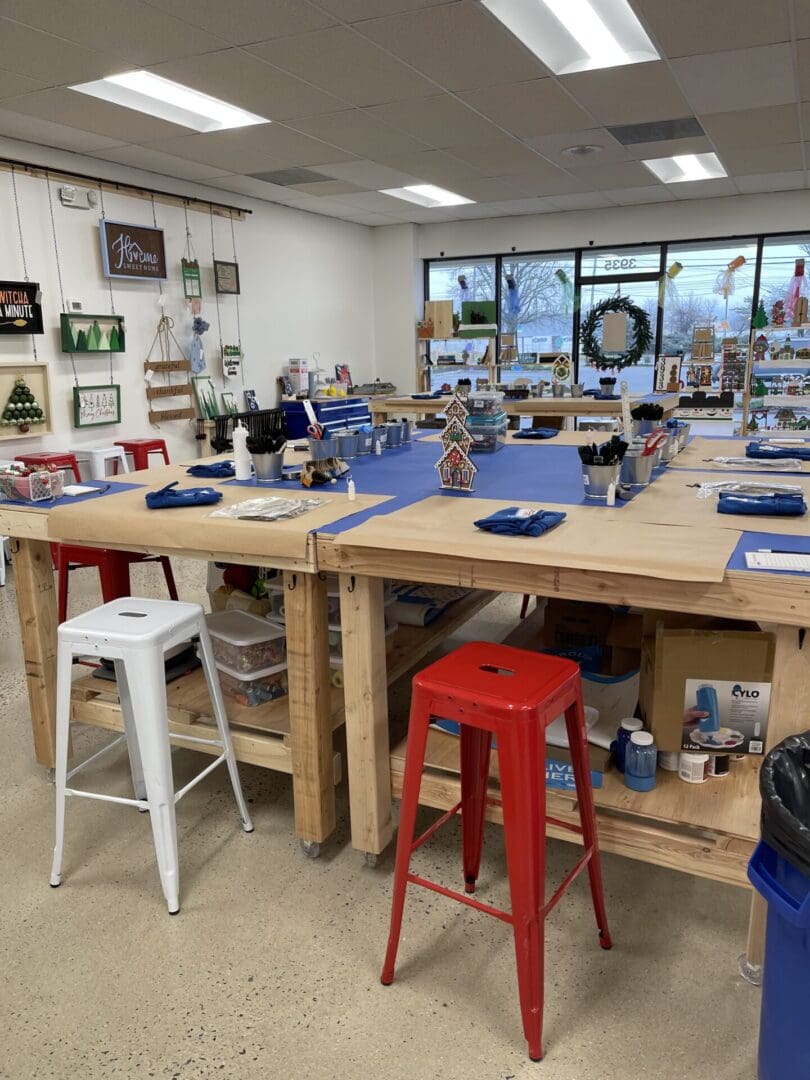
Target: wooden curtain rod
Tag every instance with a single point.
(237, 213)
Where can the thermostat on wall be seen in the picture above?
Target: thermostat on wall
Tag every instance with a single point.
(73, 307)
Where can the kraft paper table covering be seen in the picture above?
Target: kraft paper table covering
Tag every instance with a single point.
(544, 406)
(124, 520)
(598, 540)
(694, 456)
(562, 438)
(671, 501)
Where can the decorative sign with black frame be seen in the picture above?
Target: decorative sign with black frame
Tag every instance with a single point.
(226, 277)
(192, 285)
(132, 251)
(95, 406)
(20, 308)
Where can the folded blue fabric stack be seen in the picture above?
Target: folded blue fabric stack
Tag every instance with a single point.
(171, 496)
(519, 521)
(759, 450)
(218, 470)
(537, 433)
(774, 505)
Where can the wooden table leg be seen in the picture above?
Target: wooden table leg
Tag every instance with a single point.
(365, 690)
(310, 712)
(36, 608)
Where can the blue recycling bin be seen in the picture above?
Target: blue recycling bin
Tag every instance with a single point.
(784, 1049)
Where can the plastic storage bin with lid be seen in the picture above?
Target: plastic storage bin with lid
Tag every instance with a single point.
(256, 688)
(488, 432)
(244, 644)
(485, 403)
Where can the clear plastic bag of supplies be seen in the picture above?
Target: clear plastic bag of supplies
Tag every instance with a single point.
(271, 508)
(711, 488)
(760, 464)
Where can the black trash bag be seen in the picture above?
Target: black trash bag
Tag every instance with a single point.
(784, 783)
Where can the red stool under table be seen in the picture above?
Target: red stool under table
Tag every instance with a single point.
(142, 448)
(51, 458)
(513, 695)
(113, 570)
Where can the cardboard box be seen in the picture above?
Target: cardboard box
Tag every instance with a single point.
(440, 313)
(737, 666)
(600, 758)
(594, 631)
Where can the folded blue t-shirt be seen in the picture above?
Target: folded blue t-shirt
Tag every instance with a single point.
(537, 433)
(517, 521)
(774, 505)
(757, 450)
(217, 470)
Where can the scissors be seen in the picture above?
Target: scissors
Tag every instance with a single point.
(315, 431)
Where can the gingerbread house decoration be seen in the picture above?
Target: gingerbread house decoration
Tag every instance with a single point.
(455, 468)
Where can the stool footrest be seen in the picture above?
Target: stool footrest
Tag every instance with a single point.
(564, 825)
(567, 880)
(178, 795)
(140, 803)
(434, 828)
(94, 757)
(504, 916)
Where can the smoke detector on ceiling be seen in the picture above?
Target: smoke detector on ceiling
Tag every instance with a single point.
(583, 150)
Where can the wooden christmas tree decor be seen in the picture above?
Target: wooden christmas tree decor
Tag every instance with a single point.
(455, 468)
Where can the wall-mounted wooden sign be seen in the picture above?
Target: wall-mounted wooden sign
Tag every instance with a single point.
(95, 406)
(226, 277)
(192, 285)
(20, 308)
(92, 333)
(132, 251)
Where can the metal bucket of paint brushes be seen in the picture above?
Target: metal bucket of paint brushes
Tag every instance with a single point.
(598, 479)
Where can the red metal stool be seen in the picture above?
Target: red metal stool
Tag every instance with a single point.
(53, 458)
(142, 448)
(113, 570)
(513, 695)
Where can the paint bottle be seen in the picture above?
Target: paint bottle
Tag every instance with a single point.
(719, 766)
(351, 490)
(669, 760)
(694, 768)
(619, 744)
(706, 701)
(243, 463)
(640, 760)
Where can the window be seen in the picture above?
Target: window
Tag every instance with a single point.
(779, 267)
(459, 281)
(537, 314)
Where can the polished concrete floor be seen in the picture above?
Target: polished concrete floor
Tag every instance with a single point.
(272, 968)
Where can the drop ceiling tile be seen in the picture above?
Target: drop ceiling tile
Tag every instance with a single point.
(243, 80)
(530, 108)
(499, 156)
(12, 84)
(243, 21)
(474, 212)
(764, 182)
(351, 11)
(689, 27)
(362, 217)
(801, 16)
(637, 93)
(552, 147)
(144, 157)
(738, 79)
(670, 148)
(131, 28)
(512, 207)
(358, 133)
(329, 187)
(441, 120)
(258, 189)
(543, 180)
(606, 177)
(63, 106)
(776, 123)
(52, 60)
(344, 63)
(436, 167)
(703, 189)
(368, 174)
(47, 133)
(587, 200)
(377, 203)
(460, 45)
(638, 196)
(494, 189)
(786, 157)
(251, 150)
(803, 57)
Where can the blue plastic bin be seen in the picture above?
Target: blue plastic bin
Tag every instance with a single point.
(784, 1047)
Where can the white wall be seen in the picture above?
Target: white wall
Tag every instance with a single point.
(306, 287)
(398, 303)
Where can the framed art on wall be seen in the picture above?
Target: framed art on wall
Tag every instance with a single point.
(226, 277)
(20, 308)
(95, 406)
(92, 333)
(132, 251)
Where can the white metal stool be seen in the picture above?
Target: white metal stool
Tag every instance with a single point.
(97, 458)
(135, 634)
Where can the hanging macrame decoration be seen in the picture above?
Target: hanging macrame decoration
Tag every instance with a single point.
(725, 284)
(513, 300)
(668, 289)
(167, 366)
(796, 296)
(567, 290)
(197, 352)
(455, 467)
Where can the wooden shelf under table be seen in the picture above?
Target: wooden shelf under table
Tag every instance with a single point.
(261, 734)
(708, 830)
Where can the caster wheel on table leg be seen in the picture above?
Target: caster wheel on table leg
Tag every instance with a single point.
(370, 858)
(311, 848)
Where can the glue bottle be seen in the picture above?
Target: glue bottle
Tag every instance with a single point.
(241, 456)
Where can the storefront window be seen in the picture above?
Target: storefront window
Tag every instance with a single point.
(457, 358)
(537, 313)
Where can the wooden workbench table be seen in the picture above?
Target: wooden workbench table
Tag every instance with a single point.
(566, 407)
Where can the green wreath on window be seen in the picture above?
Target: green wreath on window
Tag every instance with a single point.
(639, 344)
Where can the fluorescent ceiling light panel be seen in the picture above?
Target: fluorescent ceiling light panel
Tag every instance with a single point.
(167, 100)
(684, 168)
(577, 35)
(426, 195)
